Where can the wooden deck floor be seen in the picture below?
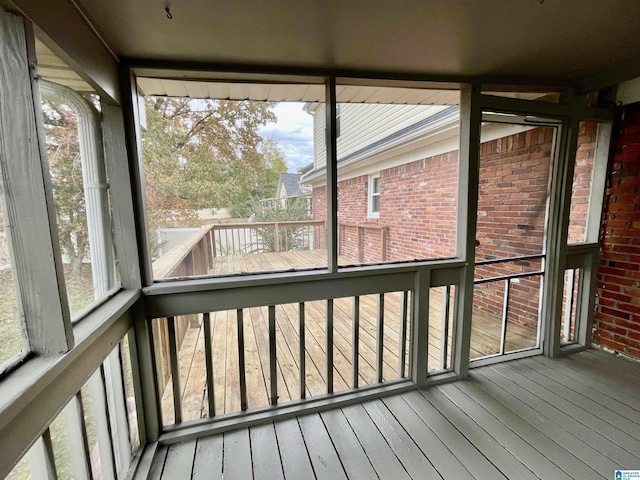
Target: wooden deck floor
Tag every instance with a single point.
(191, 360)
(572, 418)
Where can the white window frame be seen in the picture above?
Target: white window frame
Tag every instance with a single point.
(371, 194)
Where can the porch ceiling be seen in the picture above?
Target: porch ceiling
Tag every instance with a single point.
(552, 39)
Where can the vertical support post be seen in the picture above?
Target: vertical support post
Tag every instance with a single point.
(384, 234)
(122, 204)
(355, 341)
(329, 348)
(175, 370)
(331, 136)
(208, 357)
(301, 351)
(130, 107)
(469, 169)
(276, 237)
(272, 355)
(241, 363)
(359, 239)
(402, 340)
(505, 315)
(556, 235)
(444, 330)
(380, 339)
(420, 325)
(143, 357)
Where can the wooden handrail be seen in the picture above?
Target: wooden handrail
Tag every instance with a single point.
(360, 227)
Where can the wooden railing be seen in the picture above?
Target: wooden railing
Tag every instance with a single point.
(262, 356)
(360, 245)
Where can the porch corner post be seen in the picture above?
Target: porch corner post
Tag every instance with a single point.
(469, 166)
(332, 174)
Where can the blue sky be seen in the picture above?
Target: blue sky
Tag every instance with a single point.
(294, 133)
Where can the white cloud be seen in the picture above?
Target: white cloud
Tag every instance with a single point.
(293, 131)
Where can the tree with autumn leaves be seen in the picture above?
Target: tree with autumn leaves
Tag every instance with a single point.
(202, 154)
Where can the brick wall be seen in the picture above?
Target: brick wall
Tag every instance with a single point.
(514, 178)
(617, 316)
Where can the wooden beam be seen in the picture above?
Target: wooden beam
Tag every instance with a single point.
(468, 178)
(125, 237)
(28, 199)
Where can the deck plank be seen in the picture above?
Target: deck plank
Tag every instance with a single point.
(474, 461)
(207, 463)
(538, 439)
(585, 408)
(179, 463)
(496, 453)
(237, 455)
(412, 458)
(264, 453)
(445, 462)
(588, 378)
(354, 459)
(515, 444)
(382, 458)
(585, 390)
(523, 402)
(293, 451)
(325, 459)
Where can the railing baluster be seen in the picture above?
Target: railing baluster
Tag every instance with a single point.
(330, 345)
(566, 330)
(444, 330)
(272, 355)
(355, 340)
(175, 373)
(402, 341)
(41, 459)
(505, 314)
(241, 367)
(208, 354)
(380, 338)
(101, 415)
(301, 351)
(77, 438)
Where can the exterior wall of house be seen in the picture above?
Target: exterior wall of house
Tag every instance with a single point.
(362, 124)
(617, 316)
(419, 202)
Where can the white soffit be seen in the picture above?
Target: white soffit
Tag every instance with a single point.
(280, 92)
(53, 69)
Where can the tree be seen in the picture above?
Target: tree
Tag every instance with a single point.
(202, 154)
(266, 186)
(63, 149)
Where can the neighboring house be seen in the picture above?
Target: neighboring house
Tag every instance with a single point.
(289, 188)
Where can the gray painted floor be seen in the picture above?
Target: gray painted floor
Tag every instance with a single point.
(571, 418)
